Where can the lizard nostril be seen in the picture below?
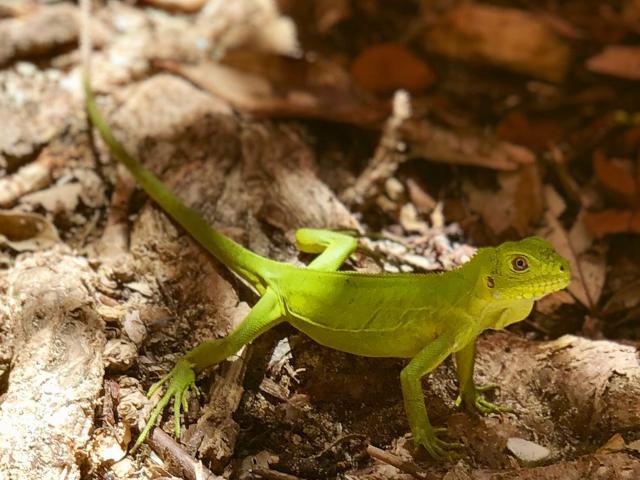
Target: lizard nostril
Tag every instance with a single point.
(562, 268)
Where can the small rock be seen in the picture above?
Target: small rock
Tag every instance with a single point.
(526, 451)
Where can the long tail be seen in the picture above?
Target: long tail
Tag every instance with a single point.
(241, 261)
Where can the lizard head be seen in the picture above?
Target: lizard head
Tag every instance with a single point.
(528, 270)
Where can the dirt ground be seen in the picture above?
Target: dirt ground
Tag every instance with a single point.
(429, 127)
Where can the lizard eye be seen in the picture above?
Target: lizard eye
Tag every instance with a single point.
(519, 264)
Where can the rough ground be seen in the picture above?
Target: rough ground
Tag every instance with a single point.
(520, 120)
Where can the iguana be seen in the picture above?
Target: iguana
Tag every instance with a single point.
(421, 317)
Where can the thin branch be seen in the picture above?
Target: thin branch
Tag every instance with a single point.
(178, 459)
(395, 461)
(269, 474)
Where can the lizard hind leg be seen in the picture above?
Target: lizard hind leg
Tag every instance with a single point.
(334, 247)
(264, 315)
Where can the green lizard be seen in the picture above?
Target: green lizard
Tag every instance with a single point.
(422, 317)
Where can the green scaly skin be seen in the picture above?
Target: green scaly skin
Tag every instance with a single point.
(422, 317)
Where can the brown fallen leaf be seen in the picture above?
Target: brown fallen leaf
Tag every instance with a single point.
(588, 263)
(631, 14)
(621, 61)
(611, 221)
(268, 85)
(534, 133)
(561, 26)
(517, 205)
(616, 175)
(551, 303)
(386, 67)
(504, 37)
(26, 231)
(625, 298)
(427, 140)
(630, 140)
(614, 444)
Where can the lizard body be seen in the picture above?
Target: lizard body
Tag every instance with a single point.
(425, 317)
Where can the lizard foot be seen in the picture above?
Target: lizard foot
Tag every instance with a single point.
(437, 448)
(474, 400)
(181, 379)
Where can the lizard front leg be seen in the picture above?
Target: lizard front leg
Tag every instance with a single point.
(334, 247)
(424, 362)
(470, 393)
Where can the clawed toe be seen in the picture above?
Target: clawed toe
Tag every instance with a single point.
(475, 401)
(181, 381)
(485, 406)
(487, 387)
(438, 449)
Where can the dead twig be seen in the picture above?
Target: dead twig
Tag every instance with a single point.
(389, 154)
(178, 459)
(30, 178)
(113, 243)
(273, 474)
(338, 441)
(395, 461)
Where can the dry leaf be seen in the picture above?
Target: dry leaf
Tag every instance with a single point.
(617, 60)
(518, 204)
(552, 302)
(534, 133)
(276, 86)
(588, 266)
(386, 67)
(554, 202)
(462, 148)
(631, 14)
(617, 177)
(626, 298)
(513, 39)
(26, 231)
(607, 222)
(614, 444)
